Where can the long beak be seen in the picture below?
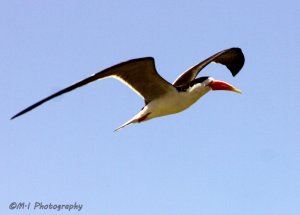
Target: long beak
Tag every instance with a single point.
(221, 85)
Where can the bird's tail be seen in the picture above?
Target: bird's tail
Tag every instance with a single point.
(139, 117)
(134, 120)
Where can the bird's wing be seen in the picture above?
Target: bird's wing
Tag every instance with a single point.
(139, 74)
(232, 58)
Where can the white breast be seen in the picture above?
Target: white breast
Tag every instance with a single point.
(175, 101)
(170, 103)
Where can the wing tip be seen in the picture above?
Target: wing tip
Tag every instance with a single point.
(17, 115)
(239, 61)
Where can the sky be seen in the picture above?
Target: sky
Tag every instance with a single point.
(227, 154)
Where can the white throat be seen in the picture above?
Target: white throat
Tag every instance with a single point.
(170, 103)
(175, 102)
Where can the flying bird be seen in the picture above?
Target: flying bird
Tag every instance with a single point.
(161, 97)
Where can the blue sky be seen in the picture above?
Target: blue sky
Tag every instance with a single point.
(227, 154)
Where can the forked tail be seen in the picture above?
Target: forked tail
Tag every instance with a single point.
(140, 117)
(126, 124)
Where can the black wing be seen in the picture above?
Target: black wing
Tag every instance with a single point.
(232, 58)
(139, 74)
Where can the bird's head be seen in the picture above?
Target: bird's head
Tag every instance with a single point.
(217, 85)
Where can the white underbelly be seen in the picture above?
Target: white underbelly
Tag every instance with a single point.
(173, 102)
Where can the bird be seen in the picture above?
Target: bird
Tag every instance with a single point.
(161, 97)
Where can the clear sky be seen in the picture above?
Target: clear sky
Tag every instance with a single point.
(227, 154)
